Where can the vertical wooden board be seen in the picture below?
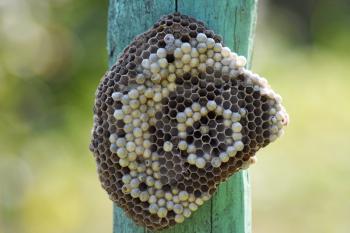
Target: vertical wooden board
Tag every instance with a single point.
(199, 222)
(229, 209)
(235, 22)
(232, 200)
(129, 18)
(123, 224)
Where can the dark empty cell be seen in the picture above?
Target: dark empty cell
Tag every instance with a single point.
(213, 142)
(180, 90)
(159, 133)
(204, 120)
(265, 116)
(211, 115)
(220, 128)
(198, 143)
(226, 104)
(188, 102)
(170, 58)
(169, 164)
(172, 95)
(202, 92)
(180, 107)
(197, 134)
(206, 148)
(210, 87)
(165, 109)
(195, 97)
(152, 41)
(145, 54)
(186, 76)
(179, 81)
(180, 99)
(181, 186)
(250, 116)
(143, 186)
(249, 90)
(241, 103)
(166, 119)
(162, 159)
(205, 138)
(197, 193)
(253, 144)
(258, 121)
(217, 92)
(159, 115)
(256, 94)
(263, 98)
(194, 80)
(167, 137)
(210, 96)
(172, 113)
(189, 130)
(120, 124)
(259, 130)
(172, 104)
(257, 112)
(160, 143)
(152, 129)
(185, 38)
(266, 134)
(153, 49)
(228, 132)
(187, 182)
(265, 107)
(265, 125)
(153, 146)
(161, 44)
(171, 173)
(221, 137)
(212, 124)
(240, 95)
(196, 125)
(189, 189)
(164, 179)
(174, 131)
(256, 103)
(233, 99)
(222, 147)
(249, 99)
(252, 134)
(259, 139)
(226, 95)
(204, 188)
(159, 124)
(189, 139)
(212, 132)
(249, 107)
(251, 125)
(245, 140)
(193, 26)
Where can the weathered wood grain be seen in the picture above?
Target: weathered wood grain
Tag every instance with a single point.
(229, 211)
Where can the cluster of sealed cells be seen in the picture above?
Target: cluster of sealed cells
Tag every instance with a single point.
(175, 116)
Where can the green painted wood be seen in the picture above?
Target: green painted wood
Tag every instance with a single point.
(129, 18)
(229, 211)
(126, 19)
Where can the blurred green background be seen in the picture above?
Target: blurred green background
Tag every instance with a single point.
(52, 55)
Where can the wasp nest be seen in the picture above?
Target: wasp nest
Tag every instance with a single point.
(176, 116)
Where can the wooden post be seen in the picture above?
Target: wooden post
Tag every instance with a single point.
(229, 211)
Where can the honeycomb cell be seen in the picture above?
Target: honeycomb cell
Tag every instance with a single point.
(174, 117)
